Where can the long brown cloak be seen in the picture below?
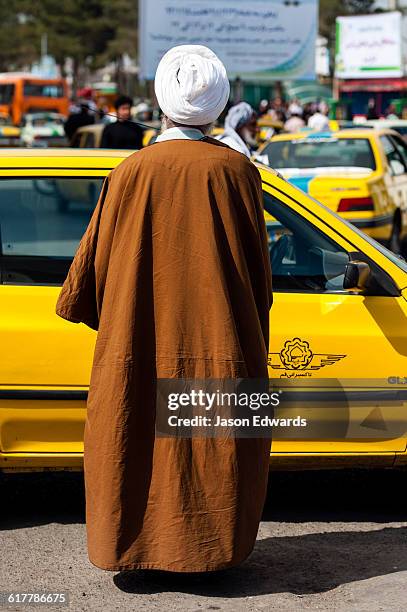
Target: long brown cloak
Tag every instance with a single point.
(174, 273)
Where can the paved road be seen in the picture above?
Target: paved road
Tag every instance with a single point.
(328, 541)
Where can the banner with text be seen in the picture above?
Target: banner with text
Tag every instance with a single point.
(369, 46)
(256, 40)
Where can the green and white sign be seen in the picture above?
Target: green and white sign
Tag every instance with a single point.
(369, 46)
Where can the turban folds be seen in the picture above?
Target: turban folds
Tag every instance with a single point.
(191, 85)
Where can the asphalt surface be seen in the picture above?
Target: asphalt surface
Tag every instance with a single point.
(331, 541)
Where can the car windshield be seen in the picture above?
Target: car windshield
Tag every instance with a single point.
(398, 260)
(316, 152)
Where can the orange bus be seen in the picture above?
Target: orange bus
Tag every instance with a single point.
(22, 93)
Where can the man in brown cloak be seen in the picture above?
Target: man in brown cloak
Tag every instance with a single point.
(174, 273)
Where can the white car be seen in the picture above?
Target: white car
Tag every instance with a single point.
(43, 130)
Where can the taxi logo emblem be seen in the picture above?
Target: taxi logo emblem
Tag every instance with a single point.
(296, 354)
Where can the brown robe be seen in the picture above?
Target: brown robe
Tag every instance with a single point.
(174, 273)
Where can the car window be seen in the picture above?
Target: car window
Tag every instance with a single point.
(393, 156)
(401, 129)
(42, 221)
(303, 259)
(401, 147)
(397, 260)
(323, 151)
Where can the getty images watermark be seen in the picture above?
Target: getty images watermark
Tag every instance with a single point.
(241, 408)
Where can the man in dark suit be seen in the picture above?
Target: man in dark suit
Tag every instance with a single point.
(123, 133)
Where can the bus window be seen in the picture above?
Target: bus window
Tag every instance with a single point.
(39, 90)
(6, 93)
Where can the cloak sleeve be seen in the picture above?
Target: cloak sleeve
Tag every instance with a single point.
(80, 298)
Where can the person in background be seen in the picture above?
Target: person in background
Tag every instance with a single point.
(278, 109)
(74, 106)
(391, 113)
(295, 121)
(123, 133)
(372, 110)
(263, 107)
(87, 95)
(240, 129)
(78, 119)
(293, 105)
(142, 112)
(319, 120)
(307, 112)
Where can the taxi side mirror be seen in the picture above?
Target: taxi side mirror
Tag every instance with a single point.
(357, 274)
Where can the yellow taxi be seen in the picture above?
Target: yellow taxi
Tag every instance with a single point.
(359, 173)
(338, 341)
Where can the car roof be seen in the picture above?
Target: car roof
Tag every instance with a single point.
(344, 133)
(60, 157)
(93, 127)
(386, 122)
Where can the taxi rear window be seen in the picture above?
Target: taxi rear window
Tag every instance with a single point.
(314, 152)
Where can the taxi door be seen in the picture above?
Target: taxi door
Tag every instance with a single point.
(334, 354)
(45, 362)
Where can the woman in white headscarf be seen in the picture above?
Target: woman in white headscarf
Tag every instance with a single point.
(240, 128)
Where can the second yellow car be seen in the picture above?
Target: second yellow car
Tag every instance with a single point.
(359, 173)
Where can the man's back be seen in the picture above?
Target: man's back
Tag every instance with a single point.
(208, 231)
(122, 135)
(204, 201)
(75, 121)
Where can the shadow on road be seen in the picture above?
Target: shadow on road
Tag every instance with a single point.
(39, 498)
(294, 497)
(299, 563)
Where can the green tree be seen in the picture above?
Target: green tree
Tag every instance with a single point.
(19, 36)
(91, 32)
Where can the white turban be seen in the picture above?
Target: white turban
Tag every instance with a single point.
(191, 85)
(238, 115)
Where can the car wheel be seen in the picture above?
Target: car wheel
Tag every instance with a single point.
(395, 242)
